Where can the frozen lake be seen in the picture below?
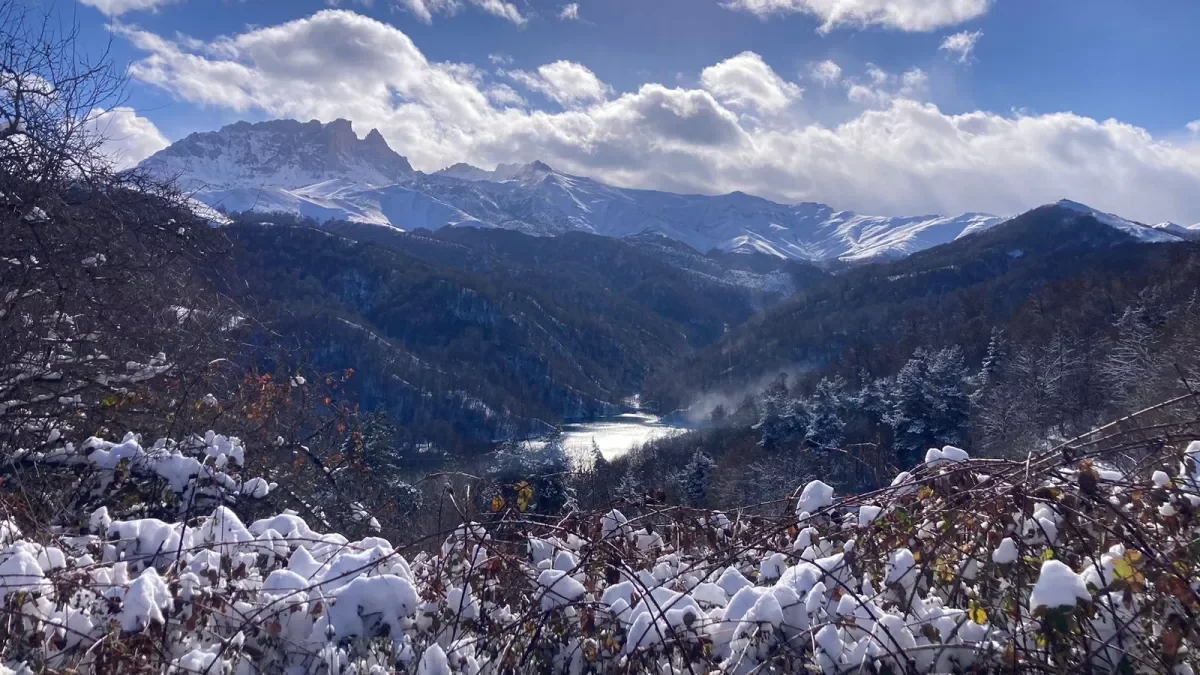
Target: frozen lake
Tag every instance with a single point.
(616, 435)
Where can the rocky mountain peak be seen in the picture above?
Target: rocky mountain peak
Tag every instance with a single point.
(285, 153)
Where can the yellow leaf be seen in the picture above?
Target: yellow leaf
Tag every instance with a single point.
(1122, 569)
(925, 493)
(977, 614)
(497, 503)
(524, 495)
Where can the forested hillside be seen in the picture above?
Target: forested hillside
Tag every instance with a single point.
(469, 336)
(1002, 342)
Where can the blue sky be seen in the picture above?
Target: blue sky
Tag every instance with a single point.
(932, 106)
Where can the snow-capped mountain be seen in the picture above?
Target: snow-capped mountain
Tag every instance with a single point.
(280, 154)
(1189, 232)
(324, 171)
(1138, 231)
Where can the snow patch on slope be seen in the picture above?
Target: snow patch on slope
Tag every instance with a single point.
(1136, 230)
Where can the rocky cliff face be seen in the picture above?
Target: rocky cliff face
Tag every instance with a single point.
(280, 153)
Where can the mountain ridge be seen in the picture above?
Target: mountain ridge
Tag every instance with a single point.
(325, 172)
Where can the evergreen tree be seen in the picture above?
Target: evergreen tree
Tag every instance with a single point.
(826, 425)
(930, 402)
(599, 463)
(697, 478)
(781, 417)
(630, 488)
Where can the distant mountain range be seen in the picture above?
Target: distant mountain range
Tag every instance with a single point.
(325, 172)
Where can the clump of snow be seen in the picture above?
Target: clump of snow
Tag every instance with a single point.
(868, 513)
(560, 589)
(1006, 552)
(947, 454)
(146, 601)
(1057, 586)
(434, 661)
(815, 496)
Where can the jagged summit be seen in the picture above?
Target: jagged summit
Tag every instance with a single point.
(501, 173)
(281, 153)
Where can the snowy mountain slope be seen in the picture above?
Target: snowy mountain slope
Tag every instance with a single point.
(323, 171)
(1136, 230)
(1189, 232)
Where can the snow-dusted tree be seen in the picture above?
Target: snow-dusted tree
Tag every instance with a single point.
(930, 402)
(781, 417)
(629, 490)
(993, 362)
(826, 425)
(697, 479)
(1133, 358)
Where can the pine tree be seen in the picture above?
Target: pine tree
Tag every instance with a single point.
(782, 417)
(930, 402)
(697, 478)
(630, 488)
(599, 463)
(826, 426)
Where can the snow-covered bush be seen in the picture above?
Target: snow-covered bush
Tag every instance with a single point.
(961, 565)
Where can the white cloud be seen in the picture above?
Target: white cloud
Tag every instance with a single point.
(906, 15)
(119, 7)
(566, 82)
(500, 59)
(961, 46)
(826, 72)
(569, 12)
(425, 9)
(1194, 126)
(504, 10)
(746, 82)
(504, 95)
(876, 74)
(899, 156)
(881, 87)
(127, 137)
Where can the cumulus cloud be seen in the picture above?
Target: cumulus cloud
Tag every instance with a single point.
(425, 9)
(119, 7)
(826, 72)
(897, 156)
(879, 88)
(906, 15)
(569, 12)
(127, 138)
(565, 82)
(961, 46)
(746, 82)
